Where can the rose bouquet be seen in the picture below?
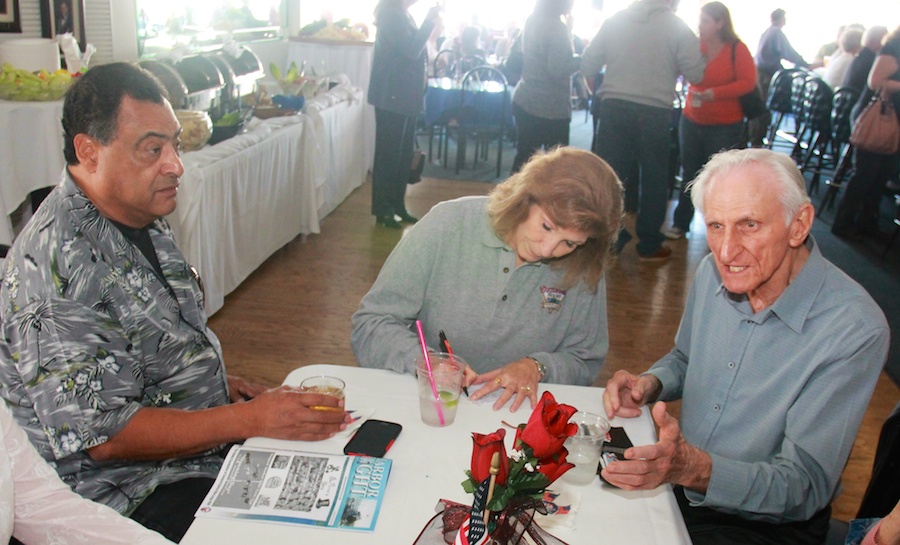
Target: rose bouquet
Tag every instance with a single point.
(507, 495)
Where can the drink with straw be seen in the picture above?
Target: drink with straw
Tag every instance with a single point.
(447, 376)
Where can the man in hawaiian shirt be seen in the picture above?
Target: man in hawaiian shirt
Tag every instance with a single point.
(105, 356)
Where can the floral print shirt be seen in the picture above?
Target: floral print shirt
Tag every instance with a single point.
(91, 334)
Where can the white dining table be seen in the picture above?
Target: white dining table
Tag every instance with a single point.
(428, 464)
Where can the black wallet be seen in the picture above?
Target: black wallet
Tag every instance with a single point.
(614, 447)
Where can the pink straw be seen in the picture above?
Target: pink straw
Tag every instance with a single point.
(434, 392)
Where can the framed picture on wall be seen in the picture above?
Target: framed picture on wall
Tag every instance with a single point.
(9, 16)
(61, 16)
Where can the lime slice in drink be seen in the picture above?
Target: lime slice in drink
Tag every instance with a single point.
(448, 399)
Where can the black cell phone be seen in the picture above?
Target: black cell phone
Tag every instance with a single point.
(373, 438)
(614, 447)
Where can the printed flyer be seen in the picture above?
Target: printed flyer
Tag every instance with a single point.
(291, 487)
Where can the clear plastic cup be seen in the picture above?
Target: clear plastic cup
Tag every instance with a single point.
(584, 447)
(447, 374)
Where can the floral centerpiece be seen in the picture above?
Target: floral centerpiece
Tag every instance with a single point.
(507, 494)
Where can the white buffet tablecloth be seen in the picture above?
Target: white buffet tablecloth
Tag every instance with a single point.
(339, 121)
(341, 57)
(30, 154)
(244, 198)
(429, 464)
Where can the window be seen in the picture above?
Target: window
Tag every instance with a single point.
(199, 25)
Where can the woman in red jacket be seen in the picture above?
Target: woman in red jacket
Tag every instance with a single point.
(712, 119)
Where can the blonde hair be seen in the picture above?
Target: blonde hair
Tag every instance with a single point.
(577, 190)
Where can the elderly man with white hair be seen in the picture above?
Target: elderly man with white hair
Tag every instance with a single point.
(775, 359)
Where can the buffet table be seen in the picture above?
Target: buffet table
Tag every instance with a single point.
(244, 198)
(339, 120)
(341, 57)
(30, 154)
(239, 200)
(429, 464)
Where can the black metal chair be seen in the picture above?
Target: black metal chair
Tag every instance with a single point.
(469, 62)
(798, 83)
(444, 65)
(841, 126)
(779, 104)
(481, 114)
(817, 106)
(896, 232)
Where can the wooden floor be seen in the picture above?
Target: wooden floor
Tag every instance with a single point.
(295, 310)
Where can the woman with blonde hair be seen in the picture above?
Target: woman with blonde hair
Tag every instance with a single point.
(515, 279)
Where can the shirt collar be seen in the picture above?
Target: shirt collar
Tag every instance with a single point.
(793, 305)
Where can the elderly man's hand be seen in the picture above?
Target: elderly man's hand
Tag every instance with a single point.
(671, 460)
(287, 413)
(626, 393)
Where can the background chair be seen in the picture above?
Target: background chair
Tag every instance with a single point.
(484, 112)
(779, 104)
(798, 82)
(841, 126)
(444, 65)
(817, 107)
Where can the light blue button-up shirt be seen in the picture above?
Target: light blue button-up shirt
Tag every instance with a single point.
(775, 397)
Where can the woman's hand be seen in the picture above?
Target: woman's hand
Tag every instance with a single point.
(519, 381)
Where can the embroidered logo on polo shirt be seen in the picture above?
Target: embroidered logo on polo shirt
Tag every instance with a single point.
(552, 298)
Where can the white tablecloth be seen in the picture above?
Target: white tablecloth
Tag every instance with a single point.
(429, 464)
(335, 57)
(244, 198)
(339, 121)
(30, 154)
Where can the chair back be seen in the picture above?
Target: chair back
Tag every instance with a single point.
(841, 106)
(469, 62)
(444, 65)
(817, 99)
(484, 100)
(779, 99)
(798, 81)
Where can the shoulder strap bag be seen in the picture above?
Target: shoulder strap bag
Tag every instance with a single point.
(752, 103)
(877, 130)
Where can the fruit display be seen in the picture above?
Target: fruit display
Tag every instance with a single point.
(22, 85)
(294, 81)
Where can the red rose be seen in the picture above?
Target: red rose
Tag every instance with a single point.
(555, 466)
(548, 427)
(483, 449)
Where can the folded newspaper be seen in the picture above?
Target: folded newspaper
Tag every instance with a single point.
(292, 487)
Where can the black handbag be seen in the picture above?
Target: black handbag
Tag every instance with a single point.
(752, 104)
(416, 167)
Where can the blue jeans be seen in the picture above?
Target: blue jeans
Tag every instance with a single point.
(698, 143)
(627, 133)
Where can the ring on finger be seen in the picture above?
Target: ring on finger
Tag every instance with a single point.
(497, 380)
(526, 389)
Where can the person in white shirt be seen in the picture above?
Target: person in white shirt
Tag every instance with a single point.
(37, 507)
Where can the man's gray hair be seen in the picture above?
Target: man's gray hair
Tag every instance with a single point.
(792, 187)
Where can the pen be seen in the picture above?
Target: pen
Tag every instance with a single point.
(445, 346)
